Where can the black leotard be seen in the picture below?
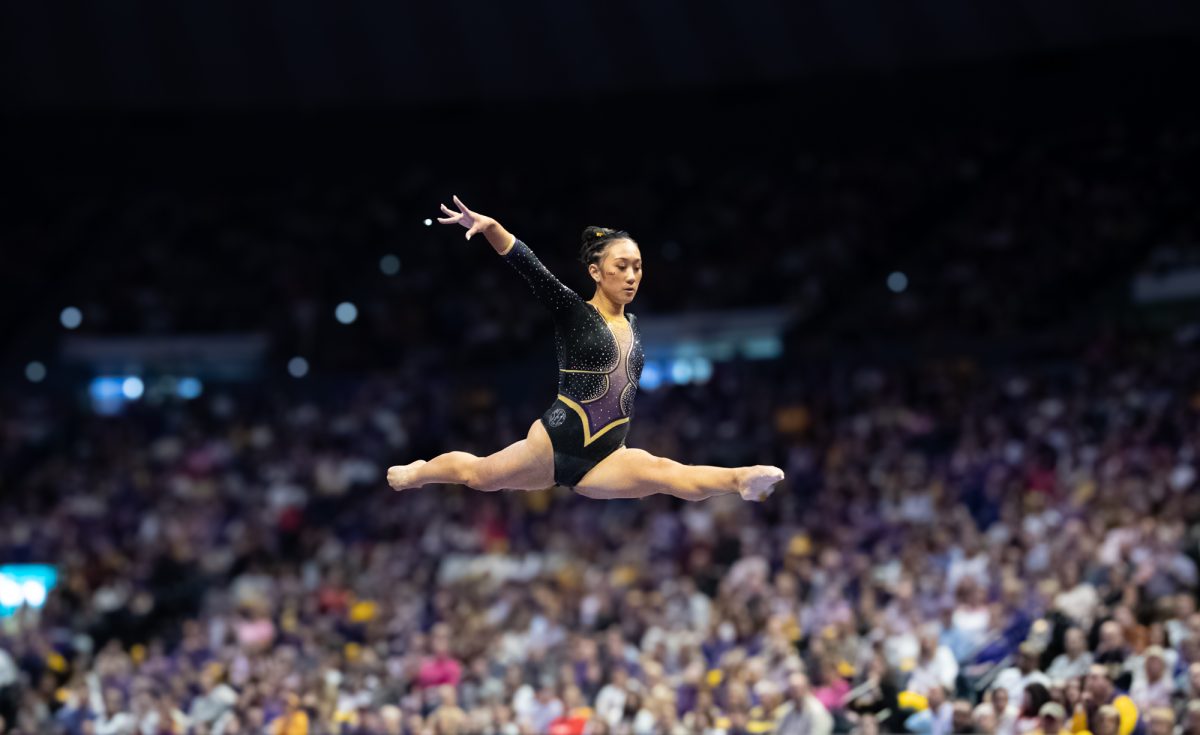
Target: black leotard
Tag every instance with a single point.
(597, 374)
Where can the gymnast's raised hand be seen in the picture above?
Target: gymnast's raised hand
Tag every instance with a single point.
(579, 442)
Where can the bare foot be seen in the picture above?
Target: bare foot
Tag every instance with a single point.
(758, 482)
(400, 477)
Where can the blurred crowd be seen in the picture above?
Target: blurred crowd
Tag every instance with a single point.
(956, 549)
(962, 545)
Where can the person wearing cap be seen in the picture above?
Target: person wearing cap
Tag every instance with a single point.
(1106, 721)
(1152, 687)
(1162, 721)
(1051, 720)
(1191, 718)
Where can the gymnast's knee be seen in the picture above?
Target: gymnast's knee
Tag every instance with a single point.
(475, 477)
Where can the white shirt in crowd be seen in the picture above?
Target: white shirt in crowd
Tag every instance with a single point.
(940, 670)
(1015, 682)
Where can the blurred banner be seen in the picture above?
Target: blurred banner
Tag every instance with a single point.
(1170, 274)
(682, 348)
(222, 357)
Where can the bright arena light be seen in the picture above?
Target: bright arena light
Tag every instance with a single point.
(897, 282)
(389, 265)
(34, 592)
(35, 372)
(346, 312)
(133, 388)
(298, 367)
(428, 223)
(651, 375)
(24, 585)
(681, 372)
(189, 388)
(11, 594)
(71, 317)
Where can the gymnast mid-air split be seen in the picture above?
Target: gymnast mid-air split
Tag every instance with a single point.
(579, 442)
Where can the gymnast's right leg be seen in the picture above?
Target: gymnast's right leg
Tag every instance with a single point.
(524, 465)
(635, 473)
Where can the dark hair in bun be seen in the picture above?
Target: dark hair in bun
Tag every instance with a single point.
(594, 240)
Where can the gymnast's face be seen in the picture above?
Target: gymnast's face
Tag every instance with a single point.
(619, 272)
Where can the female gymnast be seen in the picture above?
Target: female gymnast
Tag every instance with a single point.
(579, 442)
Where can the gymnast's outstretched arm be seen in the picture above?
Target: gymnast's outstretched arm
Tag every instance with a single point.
(549, 290)
(499, 238)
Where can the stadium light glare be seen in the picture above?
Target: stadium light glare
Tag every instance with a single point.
(389, 265)
(346, 312)
(297, 367)
(71, 317)
(133, 388)
(35, 372)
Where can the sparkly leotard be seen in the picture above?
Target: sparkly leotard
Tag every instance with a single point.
(599, 365)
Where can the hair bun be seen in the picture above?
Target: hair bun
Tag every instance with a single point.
(591, 234)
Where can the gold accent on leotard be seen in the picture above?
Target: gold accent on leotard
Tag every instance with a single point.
(510, 246)
(588, 436)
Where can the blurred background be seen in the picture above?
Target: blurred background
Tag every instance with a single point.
(938, 261)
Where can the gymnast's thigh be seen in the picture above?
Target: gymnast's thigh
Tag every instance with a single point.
(524, 465)
(624, 474)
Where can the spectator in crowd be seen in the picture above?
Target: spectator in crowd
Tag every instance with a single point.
(936, 666)
(802, 713)
(1074, 662)
(1100, 693)
(1191, 718)
(1152, 688)
(1016, 679)
(1052, 718)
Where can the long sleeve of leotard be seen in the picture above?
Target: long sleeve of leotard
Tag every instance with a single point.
(549, 290)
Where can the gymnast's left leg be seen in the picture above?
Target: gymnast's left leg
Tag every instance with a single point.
(635, 473)
(524, 465)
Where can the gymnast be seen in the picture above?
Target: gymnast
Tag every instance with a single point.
(579, 442)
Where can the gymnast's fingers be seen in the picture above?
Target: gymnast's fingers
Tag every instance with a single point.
(461, 206)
